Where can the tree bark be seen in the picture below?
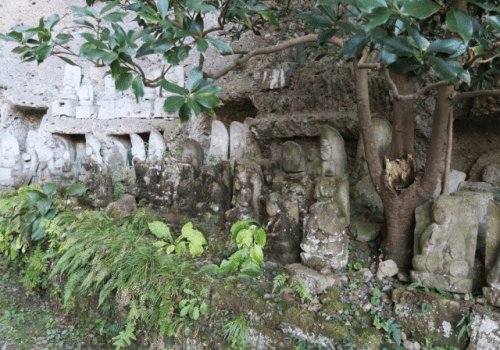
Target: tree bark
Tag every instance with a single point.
(403, 127)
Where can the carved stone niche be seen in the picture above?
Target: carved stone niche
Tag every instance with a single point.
(445, 244)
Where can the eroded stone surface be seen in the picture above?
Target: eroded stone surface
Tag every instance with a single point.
(219, 141)
(293, 160)
(333, 152)
(485, 329)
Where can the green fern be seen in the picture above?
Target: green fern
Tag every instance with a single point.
(280, 281)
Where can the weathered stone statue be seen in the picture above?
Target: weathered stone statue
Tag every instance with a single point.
(99, 184)
(108, 105)
(282, 228)
(188, 191)
(93, 148)
(445, 244)
(219, 141)
(216, 189)
(9, 149)
(247, 188)
(335, 191)
(156, 146)
(314, 165)
(20, 174)
(298, 186)
(192, 154)
(66, 105)
(237, 143)
(492, 256)
(293, 160)
(86, 108)
(333, 152)
(138, 149)
(325, 243)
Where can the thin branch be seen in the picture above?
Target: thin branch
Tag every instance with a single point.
(417, 94)
(474, 94)
(470, 63)
(447, 169)
(369, 66)
(271, 49)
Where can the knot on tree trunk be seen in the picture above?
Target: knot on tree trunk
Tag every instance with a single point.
(401, 173)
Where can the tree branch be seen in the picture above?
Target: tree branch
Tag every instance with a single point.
(271, 49)
(473, 94)
(417, 94)
(470, 63)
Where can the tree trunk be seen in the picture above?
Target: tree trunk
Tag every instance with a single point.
(403, 124)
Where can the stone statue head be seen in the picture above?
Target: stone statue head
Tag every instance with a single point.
(332, 152)
(272, 207)
(293, 157)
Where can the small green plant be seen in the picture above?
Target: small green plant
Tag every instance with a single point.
(193, 305)
(118, 190)
(465, 324)
(249, 258)
(354, 267)
(237, 332)
(392, 328)
(304, 344)
(285, 284)
(189, 239)
(376, 295)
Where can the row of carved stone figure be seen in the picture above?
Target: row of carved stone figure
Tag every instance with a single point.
(78, 101)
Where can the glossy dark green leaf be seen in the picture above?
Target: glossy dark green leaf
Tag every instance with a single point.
(269, 17)
(495, 22)
(110, 6)
(38, 233)
(88, 51)
(173, 103)
(220, 45)
(162, 6)
(354, 45)
(162, 44)
(419, 40)
(90, 38)
(328, 11)
(194, 78)
(193, 5)
(52, 21)
(20, 49)
(115, 17)
(326, 34)
(84, 11)
(202, 45)
(379, 16)
(84, 23)
(420, 8)
(447, 70)
(459, 22)
(171, 87)
(184, 113)
(485, 6)
(404, 65)
(192, 105)
(124, 81)
(397, 45)
(138, 88)
(8, 38)
(368, 5)
(207, 100)
(453, 47)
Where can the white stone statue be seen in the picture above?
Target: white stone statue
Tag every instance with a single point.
(156, 146)
(138, 149)
(93, 148)
(219, 141)
(66, 105)
(9, 149)
(333, 152)
(237, 140)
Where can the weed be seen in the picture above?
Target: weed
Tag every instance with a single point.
(465, 324)
(237, 332)
(293, 286)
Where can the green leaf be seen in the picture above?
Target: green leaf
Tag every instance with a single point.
(9, 38)
(256, 254)
(404, 65)
(38, 233)
(52, 22)
(397, 45)
(110, 6)
(124, 81)
(204, 308)
(184, 113)
(227, 267)
(495, 22)
(138, 88)
(447, 70)
(369, 5)
(242, 16)
(260, 237)
(453, 47)
(90, 38)
(354, 46)
(459, 22)
(485, 6)
(269, 17)
(202, 45)
(419, 40)
(195, 107)
(49, 188)
(221, 46)
(184, 311)
(173, 103)
(87, 50)
(193, 5)
(84, 11)
(420, 8)
(195, 313)
(207, 100)
(194, 78)
(162, 6)
(21, 49)
(171, 87)
(329, 11)
(251, 269)
(75, 189)
(244, 238)
(115, 17)
(380, 15)
(44, 205)
(160, 230)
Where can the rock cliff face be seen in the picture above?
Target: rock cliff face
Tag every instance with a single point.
(287, 102)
